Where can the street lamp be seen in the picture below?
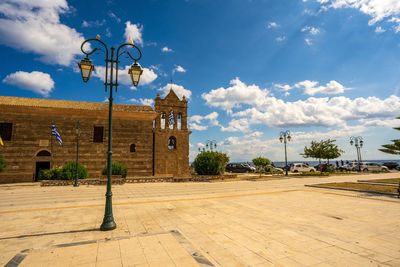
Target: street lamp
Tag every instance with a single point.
(358, 142)
(285, 137)
(135, 71)
(211, 144)
(78, 133)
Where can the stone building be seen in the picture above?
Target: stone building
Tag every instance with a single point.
(141, 137)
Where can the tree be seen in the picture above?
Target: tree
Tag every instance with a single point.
(315, 151)
(325, 149)
(210, 163)
(261, 162)
(3, 164)
(394, 148)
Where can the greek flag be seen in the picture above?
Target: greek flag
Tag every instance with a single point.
(55, 133)
(171, 118)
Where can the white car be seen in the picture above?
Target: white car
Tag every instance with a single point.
(371, 166)
(301, 167)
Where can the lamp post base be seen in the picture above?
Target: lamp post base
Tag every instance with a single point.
(108, 224)
(76, 185)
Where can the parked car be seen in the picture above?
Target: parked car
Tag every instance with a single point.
(322, 167)
(271, 168)
(398, 168)
(391, 165)
(346, 168)
(301, 167)
(239, 167)
(371, 166)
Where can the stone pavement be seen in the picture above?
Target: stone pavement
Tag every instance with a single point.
(239, 223)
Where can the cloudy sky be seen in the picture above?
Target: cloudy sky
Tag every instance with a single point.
(249, 68)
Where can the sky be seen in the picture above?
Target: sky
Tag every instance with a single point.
(249, 68)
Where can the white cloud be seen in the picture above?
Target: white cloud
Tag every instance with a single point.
(240, 125)
(396, 27)
(124, 78)
(34, 27)
(112, 15)
(379, 29)
(311, 88)
(96, 23)
(308, 41)
(268, 110)
(35, 81)
(272, 25)
(377, 9)
(280, 38)
(179, 90)
(146, 101)
(234, 96)
(196, 120)
(179, 69)
(311, 30)
(135, 32)
(254, 134)
(195, 126)
(166, 49)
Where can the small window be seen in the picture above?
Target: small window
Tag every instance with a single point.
(43, 153)
(6, 131)
(172, 143)
(179, 123)
(133, 148)
(98, 134)
(162, 120)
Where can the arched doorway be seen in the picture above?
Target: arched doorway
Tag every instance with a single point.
(43, 158)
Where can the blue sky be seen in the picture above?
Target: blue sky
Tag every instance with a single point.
(250, 69)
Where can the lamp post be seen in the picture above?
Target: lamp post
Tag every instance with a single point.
(358, 142)
(78, 133)
(210, 144)
(285, 137)
(135, 71)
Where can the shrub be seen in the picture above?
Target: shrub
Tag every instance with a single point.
(52, 174)
(69, 171)
(116, 169)
(210, 163)
(3, 164)
(261, 163)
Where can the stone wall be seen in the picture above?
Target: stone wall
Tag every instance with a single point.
(31, 133)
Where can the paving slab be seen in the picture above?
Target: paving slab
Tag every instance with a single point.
(238, 223)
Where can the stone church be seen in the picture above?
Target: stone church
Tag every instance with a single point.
(142, 139)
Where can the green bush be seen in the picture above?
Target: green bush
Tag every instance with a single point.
(52, 174)
(69, 171)
(261, 163)
(210, 163)
(3, 164)
(116, 169)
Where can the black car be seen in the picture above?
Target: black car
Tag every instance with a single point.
(239, 167)
(391, 165)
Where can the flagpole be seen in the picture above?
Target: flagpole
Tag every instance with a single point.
(51, 145)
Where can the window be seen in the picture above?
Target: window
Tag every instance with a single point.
(43, 153)
(162, 120)
(133, 148)
(98, 134)
(172, 143)
(179, 124)
(6, 131)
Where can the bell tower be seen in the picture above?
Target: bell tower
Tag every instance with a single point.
(171, 136)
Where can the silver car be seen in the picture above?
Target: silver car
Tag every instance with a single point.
(371, 166)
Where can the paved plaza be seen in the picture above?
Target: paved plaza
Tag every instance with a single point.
(238, 223)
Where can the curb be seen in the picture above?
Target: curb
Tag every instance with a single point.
(354, 190)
